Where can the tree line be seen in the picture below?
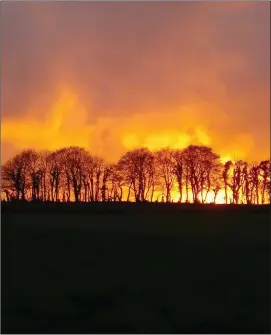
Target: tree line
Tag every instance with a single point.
(74, 174)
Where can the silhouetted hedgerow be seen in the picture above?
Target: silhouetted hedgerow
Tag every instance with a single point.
(194, 174)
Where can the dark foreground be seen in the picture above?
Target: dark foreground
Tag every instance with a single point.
(135, 268)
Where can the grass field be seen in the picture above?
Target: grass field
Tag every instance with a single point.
(135, 268)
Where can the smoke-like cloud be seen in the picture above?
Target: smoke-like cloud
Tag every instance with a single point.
(113, 75)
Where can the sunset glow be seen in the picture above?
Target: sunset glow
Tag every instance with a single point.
(200, 76)
(66, 124)
(135, 166)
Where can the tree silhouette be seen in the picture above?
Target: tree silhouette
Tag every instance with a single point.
(116, 183)
(226, 170)
(18, 171)
(254, 176)
(264, 168)
(72, 173)
(137, 167)
(165, 162)
(74, 160)
(200, 161)
(236, 181)
(55, 170)
(179, 172)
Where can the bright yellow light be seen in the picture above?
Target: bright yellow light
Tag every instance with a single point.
(130, 141)
(225, 159)
(67, 123)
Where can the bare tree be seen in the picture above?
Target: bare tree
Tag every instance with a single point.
(137, 167)
(215, 179)
(34, 173)
(94, 169)
(179, 170)
(55, 169)
(74, 160)
(200, 161)
(264, 168)
(165, 167)
(115, 184)
(44, 163)
(16, 172)
(246, 184)
(254, 174)
(237, 180)
(80, 176)
(226, 175)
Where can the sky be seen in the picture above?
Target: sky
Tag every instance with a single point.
(113, 76)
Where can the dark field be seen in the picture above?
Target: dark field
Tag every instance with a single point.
(135, 268)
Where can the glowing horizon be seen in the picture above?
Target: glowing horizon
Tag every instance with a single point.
(65, 125)
(109, 87)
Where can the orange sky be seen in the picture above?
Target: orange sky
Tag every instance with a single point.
(114, 76)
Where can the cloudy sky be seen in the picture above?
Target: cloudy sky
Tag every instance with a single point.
(111, 76)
